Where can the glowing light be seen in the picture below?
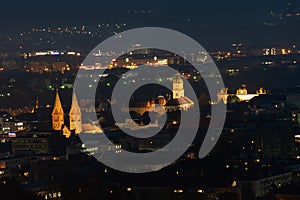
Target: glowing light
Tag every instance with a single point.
(71, 53)
(26, 174)
(234, 184)
(178, 191)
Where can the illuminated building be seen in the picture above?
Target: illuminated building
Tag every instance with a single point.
(75, 116)
(269, 51)
(5, 123)
(58, 123)
(74, 123)
(179, 101)
(66, 131)
(178, 90)
(57, 114)
(241, 93)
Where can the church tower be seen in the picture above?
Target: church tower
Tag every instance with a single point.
(178, 90)
(75, 116)
(57, 114)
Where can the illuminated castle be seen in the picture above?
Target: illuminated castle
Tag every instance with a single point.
(58, 120)
(241, 93)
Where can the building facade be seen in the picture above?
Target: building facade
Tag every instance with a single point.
(58, 117)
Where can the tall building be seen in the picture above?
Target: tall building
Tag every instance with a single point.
(58, 123)
(178, 90)
(57, 114)
(75, 116)
(179, 101)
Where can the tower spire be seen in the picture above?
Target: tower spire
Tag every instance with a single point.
(57, 114)
(75, 115)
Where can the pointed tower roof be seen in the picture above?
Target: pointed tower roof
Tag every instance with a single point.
(57, 108)
(75, 109)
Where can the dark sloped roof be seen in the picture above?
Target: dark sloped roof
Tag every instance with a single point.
(179, 101)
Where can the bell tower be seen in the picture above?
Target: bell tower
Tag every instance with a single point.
(57, 114)
(75, 116)
(178, 90)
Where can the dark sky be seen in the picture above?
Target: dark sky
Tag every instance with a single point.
(55, 11)
(210, 19)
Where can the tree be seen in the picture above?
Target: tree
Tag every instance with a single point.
(233, 99)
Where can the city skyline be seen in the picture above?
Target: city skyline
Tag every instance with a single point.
(193, 100)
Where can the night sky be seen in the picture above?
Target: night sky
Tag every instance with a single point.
(213, 21)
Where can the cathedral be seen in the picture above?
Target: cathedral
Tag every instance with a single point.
(58, 117)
